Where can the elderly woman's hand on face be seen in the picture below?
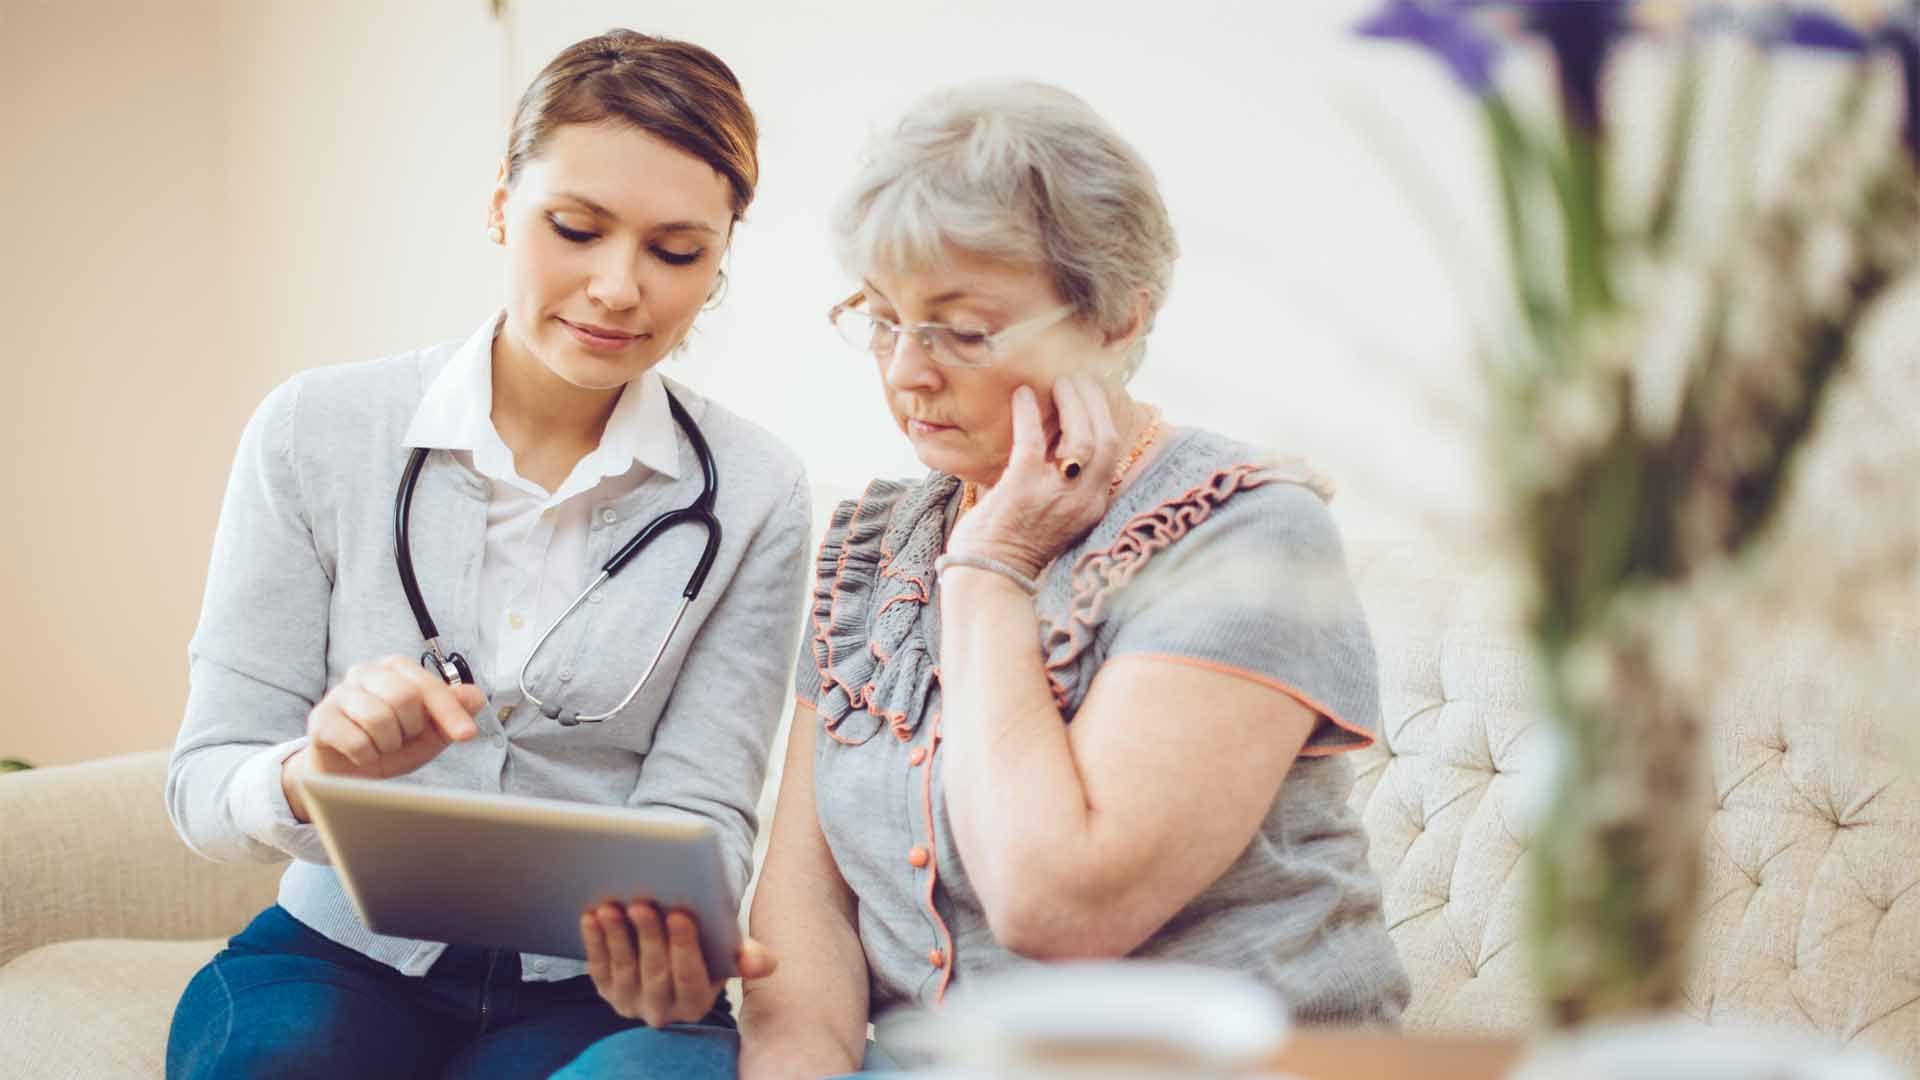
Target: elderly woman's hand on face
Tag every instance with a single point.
(1035, 511)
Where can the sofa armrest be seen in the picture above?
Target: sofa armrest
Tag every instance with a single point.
(87, 851)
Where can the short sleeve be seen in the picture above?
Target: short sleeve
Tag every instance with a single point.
(808, 679)
(1260, 590)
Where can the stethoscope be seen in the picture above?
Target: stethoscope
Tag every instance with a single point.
(453, 667)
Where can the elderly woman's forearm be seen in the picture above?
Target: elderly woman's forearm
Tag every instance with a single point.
(1014, 792)
(794, 1043)
(1067, 864)
(809, 1018)
(811, 1013)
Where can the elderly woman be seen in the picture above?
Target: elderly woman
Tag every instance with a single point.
(1081, 690)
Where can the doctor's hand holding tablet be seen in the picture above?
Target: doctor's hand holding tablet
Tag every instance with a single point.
(389, 718)
(653, 972)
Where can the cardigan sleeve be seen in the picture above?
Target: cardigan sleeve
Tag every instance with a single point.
(257, 660)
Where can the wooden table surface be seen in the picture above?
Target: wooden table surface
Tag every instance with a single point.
(1320, 1054)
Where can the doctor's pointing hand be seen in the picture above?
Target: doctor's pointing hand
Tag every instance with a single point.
(384, 719)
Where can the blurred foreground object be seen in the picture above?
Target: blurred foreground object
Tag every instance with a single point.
(1688, 346)
(1123, 1020)
(1681, 1050)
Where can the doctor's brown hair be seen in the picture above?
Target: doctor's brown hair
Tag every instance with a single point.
(672, 90)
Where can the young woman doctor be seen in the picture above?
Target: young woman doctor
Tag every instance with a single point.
(514, 466)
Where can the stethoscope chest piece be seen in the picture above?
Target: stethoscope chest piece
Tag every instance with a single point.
(452, 668)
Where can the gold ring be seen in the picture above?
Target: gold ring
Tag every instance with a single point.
(1070, 468)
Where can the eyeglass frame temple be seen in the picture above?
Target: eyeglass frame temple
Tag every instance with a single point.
(994, 340)
(833, 313)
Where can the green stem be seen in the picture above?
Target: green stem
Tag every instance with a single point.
(1515, 161)
(1673, 166)
(1582, 203)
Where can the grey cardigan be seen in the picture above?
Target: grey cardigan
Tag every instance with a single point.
(303, 586)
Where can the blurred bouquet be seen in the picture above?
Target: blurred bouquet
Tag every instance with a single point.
(1684, 333)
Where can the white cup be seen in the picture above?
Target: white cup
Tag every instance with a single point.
(1119, 1020)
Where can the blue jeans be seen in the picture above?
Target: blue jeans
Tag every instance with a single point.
(705, 1052)
(281, 1000)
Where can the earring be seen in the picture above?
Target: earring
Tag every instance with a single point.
(497, 234)
(719, 292)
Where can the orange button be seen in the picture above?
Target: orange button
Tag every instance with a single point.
(936, 958)
(919, 755)
(919, 858)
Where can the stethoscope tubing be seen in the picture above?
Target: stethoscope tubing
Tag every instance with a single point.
(453, 667)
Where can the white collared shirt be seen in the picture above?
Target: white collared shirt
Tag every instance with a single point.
(534, 561)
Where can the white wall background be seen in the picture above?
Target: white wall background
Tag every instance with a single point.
(202, 197)
(1306, 285)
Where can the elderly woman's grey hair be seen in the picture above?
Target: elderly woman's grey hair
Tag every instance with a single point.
(1022, 171)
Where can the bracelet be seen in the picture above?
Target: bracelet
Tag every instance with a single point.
(976, 562)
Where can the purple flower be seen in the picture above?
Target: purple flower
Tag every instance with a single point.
(1580, 32)
(1901, 36)
(1444, 29)
(1898, 34)
(1817, 30)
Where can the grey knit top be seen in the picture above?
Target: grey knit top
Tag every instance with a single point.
(303, 586)
(1211, 557)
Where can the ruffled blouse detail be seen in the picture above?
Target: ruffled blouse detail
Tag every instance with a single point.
(875, 574)
(1101, 572)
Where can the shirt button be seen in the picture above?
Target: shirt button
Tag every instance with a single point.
(506, 713)
(499, 740)
(595, 598)
(609, 516)
(919, 755)
(918, 858)
(539, 967)
(514, 620)
(566, 674)
(936, 958)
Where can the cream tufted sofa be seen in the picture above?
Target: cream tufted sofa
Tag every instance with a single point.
(1812, 920)
(1811, 917)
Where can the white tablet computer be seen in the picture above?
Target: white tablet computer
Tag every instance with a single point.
(511, 872)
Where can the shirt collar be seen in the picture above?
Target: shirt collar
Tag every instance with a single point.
(456, 413)
(642, 428)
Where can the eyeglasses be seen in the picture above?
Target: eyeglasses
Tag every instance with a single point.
(949, 346)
